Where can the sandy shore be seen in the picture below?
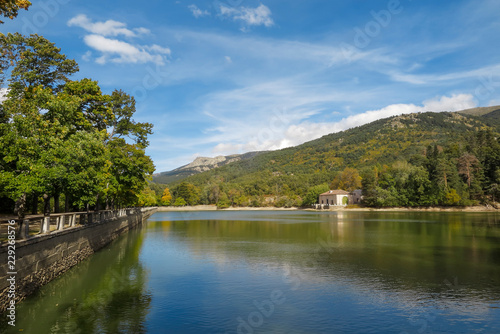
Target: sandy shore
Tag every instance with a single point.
(214, 208)
(434, 209)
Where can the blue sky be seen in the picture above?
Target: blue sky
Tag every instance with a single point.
(232, 76)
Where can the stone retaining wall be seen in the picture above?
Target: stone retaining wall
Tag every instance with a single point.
(42, 258)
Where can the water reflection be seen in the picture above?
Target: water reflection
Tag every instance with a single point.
(104, 294)
(422, 265)
(284, 272)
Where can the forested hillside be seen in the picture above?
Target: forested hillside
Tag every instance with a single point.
(419, 159)
(200, 165)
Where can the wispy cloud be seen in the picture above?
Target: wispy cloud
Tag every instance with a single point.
(122, 52)
(107, 28)
(258, 16)
(225, 92)
(419, 79)
(115, 50)
(266, 57)
(288, 128)
(197, 12)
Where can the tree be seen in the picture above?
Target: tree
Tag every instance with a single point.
(179, 201)
(87, 166)
(223, 202)
(468, 164)
(348, 180)
(452, 197)
(10, 8)
(147, 197)
(494, 187)
(166, 198)
(369, 186)
(34, 61)
(27, 148)
(130, 170)
(66, 137)
(121, 123)
(313, 193)
(188, 192)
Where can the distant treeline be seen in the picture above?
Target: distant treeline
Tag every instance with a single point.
(444, 176)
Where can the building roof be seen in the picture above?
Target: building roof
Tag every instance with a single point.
(336, 192)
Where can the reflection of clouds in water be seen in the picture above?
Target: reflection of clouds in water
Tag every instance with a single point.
(416, 302)
(380, 260)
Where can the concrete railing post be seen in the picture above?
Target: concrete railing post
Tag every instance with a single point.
(60, 223)
(24, 229)
(45, 225)
(72, 220)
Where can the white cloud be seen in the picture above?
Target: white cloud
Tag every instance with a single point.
(250, 16)
(228, 59)
(158, 49)
(3, 94)
(494, 103)
(486, 73)
(257, 117)
(113, 49)
(107, 28)
(281, 132)
(122, 52)
(267, 57)
(454, 103)
(87, 56)
(198, 12)
(297, 134)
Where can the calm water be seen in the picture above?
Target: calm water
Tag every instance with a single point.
(283, 272)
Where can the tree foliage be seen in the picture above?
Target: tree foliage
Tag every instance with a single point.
(166, 198)
(348, 180)
(447, 176)
(10, 8)
(64, 137)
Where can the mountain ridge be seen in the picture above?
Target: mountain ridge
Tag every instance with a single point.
(200, 165)
(325, 151)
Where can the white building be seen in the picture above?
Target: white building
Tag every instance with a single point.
(340, 197)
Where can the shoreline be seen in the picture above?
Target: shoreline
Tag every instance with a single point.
(333, 209)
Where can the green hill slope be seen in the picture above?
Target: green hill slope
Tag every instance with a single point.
(480, 111)
(292, 172)
(200, 165)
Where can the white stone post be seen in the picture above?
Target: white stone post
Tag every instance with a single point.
(72, 220)
(60, 223)
(45, 225)
(24, 229)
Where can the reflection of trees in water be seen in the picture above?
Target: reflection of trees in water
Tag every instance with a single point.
(118, 304)
(401, 250)
(104, 294)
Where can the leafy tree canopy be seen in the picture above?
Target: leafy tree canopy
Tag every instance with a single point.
(10, 8)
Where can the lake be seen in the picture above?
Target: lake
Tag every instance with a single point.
(282, 272)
